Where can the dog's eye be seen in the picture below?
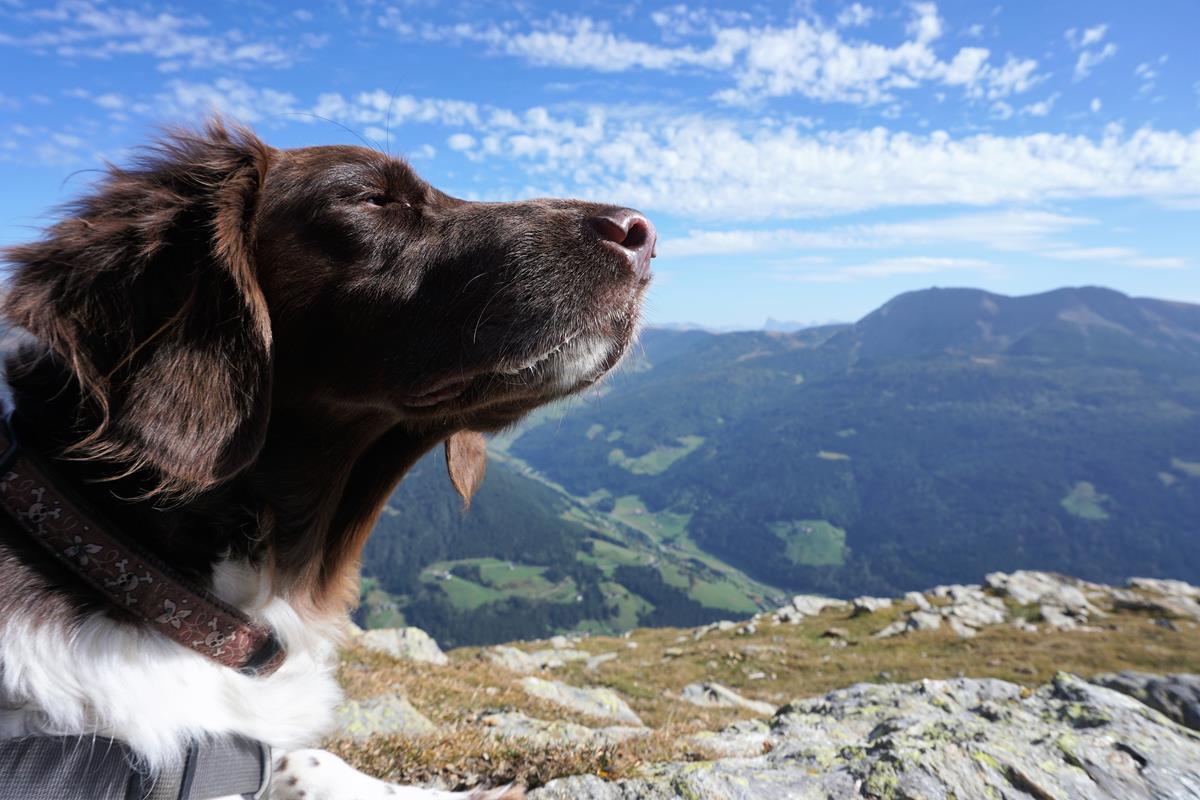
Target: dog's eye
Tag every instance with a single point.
(383, 201)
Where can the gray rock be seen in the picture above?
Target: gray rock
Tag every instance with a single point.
(806, 605)
(596, 701)
(721, 625)
(975, 612)
(919, 600)
(558, 658)
(407, 644)
(924, 621)
(937, 740)
(1166, 586)
(360, 720)
(955, 591)
(893, 629)
(714, 694)
(1028, 587)
(960, 628)
(595, 662)
(525, 663)
(1177, 696)
(1172, 598)
(1060, 618)
(745, 738)
(515, 725)
(511, 658)
(869, 605)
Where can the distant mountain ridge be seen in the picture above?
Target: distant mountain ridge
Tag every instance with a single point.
(949, 433)
(971, 320)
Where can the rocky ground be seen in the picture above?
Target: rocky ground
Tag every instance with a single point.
(1029, 685)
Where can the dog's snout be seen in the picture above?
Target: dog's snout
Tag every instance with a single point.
(631, 233)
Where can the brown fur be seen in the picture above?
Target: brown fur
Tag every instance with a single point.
(240, 350)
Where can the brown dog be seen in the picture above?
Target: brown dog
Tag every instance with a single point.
(236, 353)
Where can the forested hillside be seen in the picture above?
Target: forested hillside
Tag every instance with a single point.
(949, 433)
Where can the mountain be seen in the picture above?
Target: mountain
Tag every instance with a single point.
(947, 433)
(528, 560)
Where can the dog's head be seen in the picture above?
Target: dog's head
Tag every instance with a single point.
(220, 278)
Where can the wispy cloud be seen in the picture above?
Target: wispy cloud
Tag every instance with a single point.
(84, 29)
(889, 268)
(855, 15)
(1089, 57)
(1041, 233)
(1004, 230)
(719, 165)
(807, 58)
(228, 96)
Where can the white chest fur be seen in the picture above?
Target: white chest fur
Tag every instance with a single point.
(116, 680)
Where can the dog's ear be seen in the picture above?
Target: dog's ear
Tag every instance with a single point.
(466, 461)
(146, 290)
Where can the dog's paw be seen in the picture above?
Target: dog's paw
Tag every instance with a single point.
(320, 775)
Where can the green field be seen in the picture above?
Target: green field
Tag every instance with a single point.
(497, 580)
(1191, 468)
(813, 542)
(1085, 502)
(658, 460)
(665, 525)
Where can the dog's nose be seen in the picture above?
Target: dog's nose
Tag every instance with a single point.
(631, 233)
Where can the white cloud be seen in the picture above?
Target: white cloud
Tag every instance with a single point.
(855, 15)
(1122, 255)
(423, 153)
(25, 145)
(890, 267)
(1147, 72)
(385, 108)
(1079, 39)
(111, 101)
(805, 58)
(1002, 230)
(1089, 59)
(741, 169)
(1095, 105)
(915, 265)
(461, 141)
(1001, 110)
(85, 29)
(1041, 108)
(229, 96)
(1041, 233)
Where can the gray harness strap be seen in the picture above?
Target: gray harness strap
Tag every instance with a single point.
(86, 768)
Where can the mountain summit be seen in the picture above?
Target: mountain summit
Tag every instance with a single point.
(1085, 322)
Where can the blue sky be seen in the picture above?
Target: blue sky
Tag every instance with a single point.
(803, 161)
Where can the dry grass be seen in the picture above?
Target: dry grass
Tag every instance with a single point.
(467, 757)
(796, 661)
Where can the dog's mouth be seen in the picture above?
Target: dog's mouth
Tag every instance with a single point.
(525, 373)
(573, 362)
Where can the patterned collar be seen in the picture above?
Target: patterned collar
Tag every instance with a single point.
(124, 574)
